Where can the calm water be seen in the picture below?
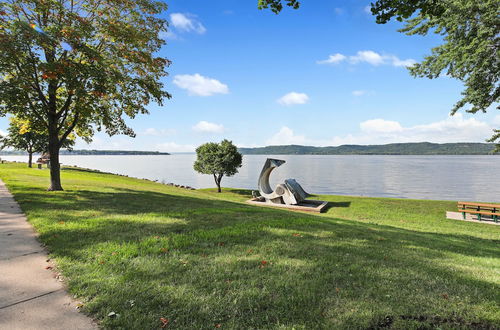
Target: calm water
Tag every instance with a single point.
(475, 178)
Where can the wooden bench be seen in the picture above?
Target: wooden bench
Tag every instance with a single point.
(40, 163)
(479, 209)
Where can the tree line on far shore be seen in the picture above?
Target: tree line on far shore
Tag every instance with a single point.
(420, 148)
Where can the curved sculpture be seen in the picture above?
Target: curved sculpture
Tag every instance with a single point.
(289, 193)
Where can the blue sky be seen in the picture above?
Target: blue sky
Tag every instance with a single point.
(326, 74)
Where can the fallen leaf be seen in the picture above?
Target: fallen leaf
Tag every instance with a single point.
(263, 264)
(102, 262)
(164, 322)
(221, 244)
(48, 267)
(113, 253)
(164, 250)
(445, 296)
(337, 290)
(218, 325)
(296, 235)
(79, 305)
(61, 222)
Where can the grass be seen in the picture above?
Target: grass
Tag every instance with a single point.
(202, 260)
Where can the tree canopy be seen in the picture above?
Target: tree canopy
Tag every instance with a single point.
(80, 66)
(469, 53)
(218, 159)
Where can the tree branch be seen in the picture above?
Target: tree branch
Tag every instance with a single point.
(70, 129)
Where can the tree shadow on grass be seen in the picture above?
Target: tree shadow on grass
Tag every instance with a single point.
(209, 261)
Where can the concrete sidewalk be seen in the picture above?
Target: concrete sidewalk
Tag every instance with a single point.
(30, 296)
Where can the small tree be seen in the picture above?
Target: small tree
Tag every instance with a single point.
(22, 136)
(218, 159)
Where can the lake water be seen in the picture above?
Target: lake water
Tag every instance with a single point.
(473, 178)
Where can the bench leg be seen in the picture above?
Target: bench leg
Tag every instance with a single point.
(464, 215)
(479, 217)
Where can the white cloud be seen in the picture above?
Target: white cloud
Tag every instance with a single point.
(293, 98)
(452, 129)
(367, 56)
(398, 62)
(333, 59)
(370, 57)
(380, 131)
(206, 127)
(186, 23)
(285, 136)
(339, 11)
(199, 85)
(158, 132)
(174, 147)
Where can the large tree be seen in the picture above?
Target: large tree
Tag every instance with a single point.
(218, 159)
(470, 49)
(80, 65)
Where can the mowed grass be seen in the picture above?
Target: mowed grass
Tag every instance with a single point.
(202, 260)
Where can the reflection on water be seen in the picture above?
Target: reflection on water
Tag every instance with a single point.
(474, 178)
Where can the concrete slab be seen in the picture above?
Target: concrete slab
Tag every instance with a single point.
(18, 242)
(25, 277)
(470, 218)
(30, 295)
(54, 311)
(10, 222)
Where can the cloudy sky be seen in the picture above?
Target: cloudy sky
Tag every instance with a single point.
(323, 75)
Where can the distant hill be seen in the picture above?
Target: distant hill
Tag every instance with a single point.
(96, 152)
(422, 148)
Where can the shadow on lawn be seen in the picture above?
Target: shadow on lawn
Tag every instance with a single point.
(319, 271)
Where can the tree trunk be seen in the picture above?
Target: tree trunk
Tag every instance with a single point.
(30, 159)
(217, 179)
(55, 171)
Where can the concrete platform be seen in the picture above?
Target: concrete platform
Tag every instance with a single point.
(470, 218)
(308, 205)
(30, 295)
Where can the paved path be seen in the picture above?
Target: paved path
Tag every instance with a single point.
(30, 296)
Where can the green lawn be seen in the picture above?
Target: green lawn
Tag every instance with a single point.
(205, 260)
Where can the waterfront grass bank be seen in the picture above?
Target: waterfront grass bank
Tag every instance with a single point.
(201, 260)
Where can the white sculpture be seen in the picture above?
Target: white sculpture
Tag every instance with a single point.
(289, 193)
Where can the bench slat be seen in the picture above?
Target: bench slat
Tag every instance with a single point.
(479, 208)
(478, 204)
(480, 212)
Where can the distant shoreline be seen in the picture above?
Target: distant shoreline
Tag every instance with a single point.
(84, 152)
(421, 148)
